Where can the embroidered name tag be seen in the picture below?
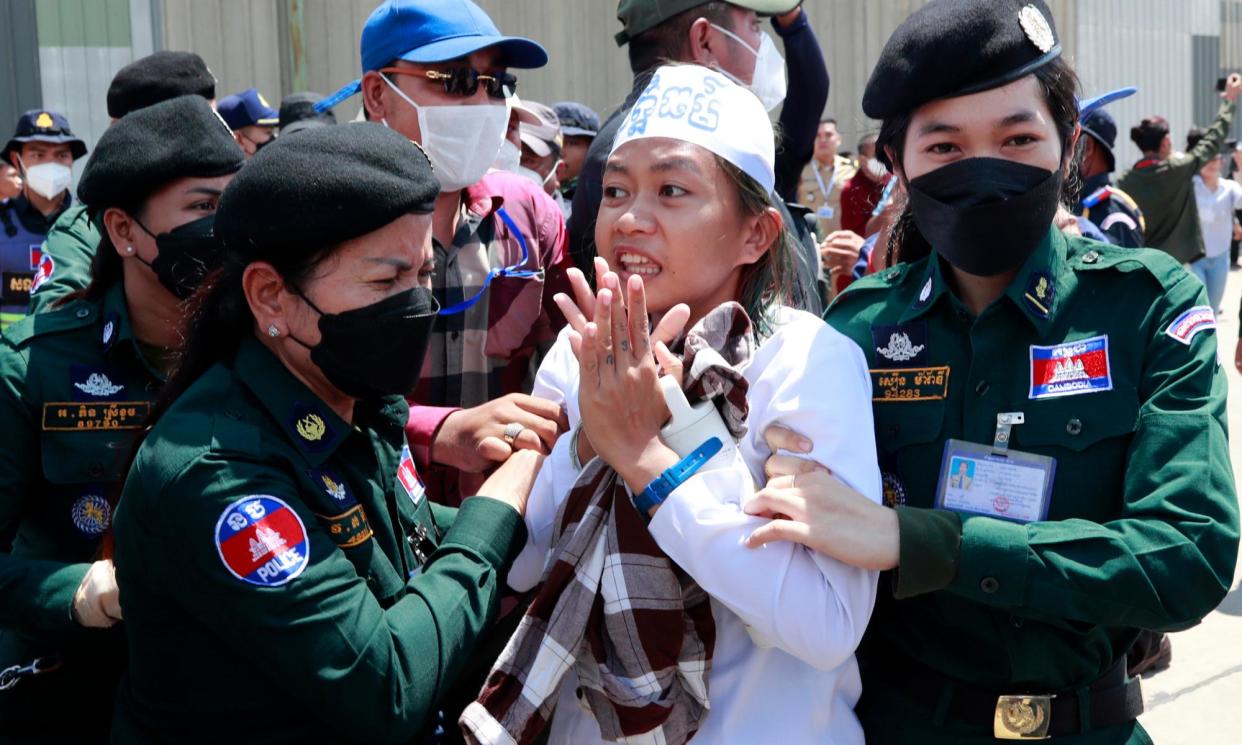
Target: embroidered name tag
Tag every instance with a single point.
(1187, 325)
(1070, 369)
(914, 384)
(68, 416)
(349, 528)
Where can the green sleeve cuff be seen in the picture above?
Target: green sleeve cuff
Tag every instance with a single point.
(53, 601)
(930, 545)
(489, 528)
(993, 561)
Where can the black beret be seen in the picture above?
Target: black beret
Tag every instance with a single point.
(159, 77)
(298, 107)
(151, 147)
(302, 194)
(952, 48)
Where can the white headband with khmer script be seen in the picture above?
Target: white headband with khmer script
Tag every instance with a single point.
(700, 106)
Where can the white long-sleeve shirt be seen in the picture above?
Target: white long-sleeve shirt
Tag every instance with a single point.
(798, 684)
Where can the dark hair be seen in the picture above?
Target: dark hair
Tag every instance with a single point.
(1193, 136)
(668, 41)
(1058, 84)
(1149, 133)
(769, 281)
(828, 120)
(870, 137)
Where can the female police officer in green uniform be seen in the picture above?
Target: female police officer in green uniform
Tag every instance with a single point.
(1073, 384)
(75, 384)
(285, 577)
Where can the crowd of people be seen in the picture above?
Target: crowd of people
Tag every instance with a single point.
(489, 420)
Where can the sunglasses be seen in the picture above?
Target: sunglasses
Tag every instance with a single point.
(463, 81)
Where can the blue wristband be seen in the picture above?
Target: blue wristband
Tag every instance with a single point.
(657, 491)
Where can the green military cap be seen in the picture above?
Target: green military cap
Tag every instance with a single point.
(642, 15)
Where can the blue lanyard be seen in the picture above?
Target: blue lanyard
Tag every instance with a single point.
(508, 271)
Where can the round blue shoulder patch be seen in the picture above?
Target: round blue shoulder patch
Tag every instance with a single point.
(261, 540)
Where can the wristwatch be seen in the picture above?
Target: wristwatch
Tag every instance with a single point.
(676, 475)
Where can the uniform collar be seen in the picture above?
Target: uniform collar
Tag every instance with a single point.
(34, 220)
(1038, 290)
(306, 421)
(1096, 182)
(1043, 283)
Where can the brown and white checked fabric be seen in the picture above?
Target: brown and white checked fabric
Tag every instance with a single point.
(637, 630)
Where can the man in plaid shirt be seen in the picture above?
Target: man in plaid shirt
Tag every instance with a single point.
(436, 71)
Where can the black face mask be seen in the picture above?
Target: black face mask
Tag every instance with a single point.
(378, 349)
(187, 254)
(985, 216)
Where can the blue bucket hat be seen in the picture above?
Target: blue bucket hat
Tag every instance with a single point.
(41, 125)
(427, 31)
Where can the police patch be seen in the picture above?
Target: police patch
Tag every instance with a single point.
(1070, 369)
(311, 427)
(407, 475)
(261, 540)
(93, 383)
(1187, 325)
(43, 273)
(894, 490)
(91, 515)
(333, 485)
(904, 345)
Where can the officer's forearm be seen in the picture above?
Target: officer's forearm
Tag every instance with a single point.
(36, 595)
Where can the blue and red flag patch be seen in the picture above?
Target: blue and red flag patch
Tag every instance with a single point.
(1070, 369)
(1185, 326)
(261, 540)
(407, 475)
(43, 271)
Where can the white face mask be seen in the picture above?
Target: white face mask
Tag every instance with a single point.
(461, 141)
(509, 158)
(48, 180)
(768, 81)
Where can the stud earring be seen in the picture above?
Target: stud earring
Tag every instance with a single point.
(272, 331)
(129, 249)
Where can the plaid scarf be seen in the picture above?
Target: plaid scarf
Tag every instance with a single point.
(637, 630)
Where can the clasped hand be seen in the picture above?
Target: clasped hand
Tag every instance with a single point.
(619, 362)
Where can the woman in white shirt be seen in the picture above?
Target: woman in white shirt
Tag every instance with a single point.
(687, 218)
(1217, 199)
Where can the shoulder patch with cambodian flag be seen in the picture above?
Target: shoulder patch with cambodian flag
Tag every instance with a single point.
(43, 272)
(1071, 368)
(407, 476)
(1187, 325)
(261, 540)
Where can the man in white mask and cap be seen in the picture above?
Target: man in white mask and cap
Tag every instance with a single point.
(436, 71)
(43, 150)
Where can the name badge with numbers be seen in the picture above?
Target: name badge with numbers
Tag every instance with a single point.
(1010, 485)
(75, 416)
(912, 384)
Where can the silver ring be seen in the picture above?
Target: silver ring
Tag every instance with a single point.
(512, 430)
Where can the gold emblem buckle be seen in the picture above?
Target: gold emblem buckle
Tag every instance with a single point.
(1022, 717)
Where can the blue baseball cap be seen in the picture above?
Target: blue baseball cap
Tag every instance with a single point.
(246, 109)
(1099, 124)
(427, 31)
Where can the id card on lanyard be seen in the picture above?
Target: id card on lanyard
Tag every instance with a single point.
(825, 212)
(994, 480)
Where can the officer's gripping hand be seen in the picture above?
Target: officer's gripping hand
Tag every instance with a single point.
(97, 602)
(819, 511)
(512, 481)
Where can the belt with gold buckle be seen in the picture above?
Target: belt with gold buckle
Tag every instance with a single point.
(1022, 717)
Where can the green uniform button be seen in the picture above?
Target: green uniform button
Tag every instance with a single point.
(892, 274)
(989, 585)
(1090, 257)
(1074, 426)
(83, 312)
